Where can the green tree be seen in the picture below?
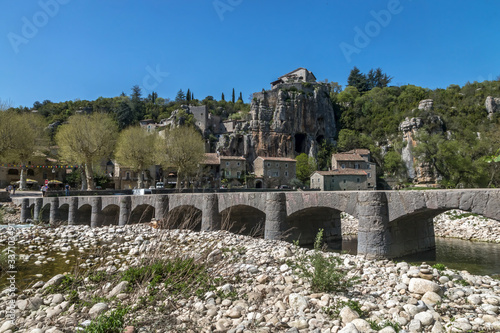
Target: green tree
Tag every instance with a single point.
(358, 80)
(135, 148)
(86, 139)
(233, 97)
(222, 97)
(136, 103)
(125, 114)
(325, 151)
(240, 98)
(183, 148)
(376, 78)
(188, 96)
(180, 97)
(394, 165)
(305, 167)
(27, 136)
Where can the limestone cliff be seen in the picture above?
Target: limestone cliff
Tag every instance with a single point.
(288, 120)
(492, 105)
(420, 173)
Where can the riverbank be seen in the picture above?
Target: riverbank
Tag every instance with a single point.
(245, 285)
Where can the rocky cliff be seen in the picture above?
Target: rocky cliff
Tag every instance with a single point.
(288, 120)
(492, 105)
(420, 173)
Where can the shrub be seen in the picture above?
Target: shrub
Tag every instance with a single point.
(322, 272)
(113, 323)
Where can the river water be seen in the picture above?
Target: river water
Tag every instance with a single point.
(479, 258)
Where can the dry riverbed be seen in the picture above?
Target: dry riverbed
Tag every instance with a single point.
(233, 283)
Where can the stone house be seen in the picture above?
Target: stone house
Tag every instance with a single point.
(271, 172)
(357, 159)
(215, 168)
(340, 180)
(233, 167)
(299, 75)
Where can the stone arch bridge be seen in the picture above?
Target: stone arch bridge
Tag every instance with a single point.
(391, 223)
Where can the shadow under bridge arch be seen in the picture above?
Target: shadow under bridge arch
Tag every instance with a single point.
(244, 220)
(305, 224)
(141, 214)
(110, 215)
(183, 217)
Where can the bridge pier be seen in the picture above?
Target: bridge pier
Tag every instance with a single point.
(161, 207)
(373, 231)
(275, 216)
(95, 217)
(54, 210)
(73, 209)
(125, 207)
(25, 210)
(211, 218)
(38, 209)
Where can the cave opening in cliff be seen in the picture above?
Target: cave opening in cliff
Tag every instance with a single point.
(320, 139)
(300, 143)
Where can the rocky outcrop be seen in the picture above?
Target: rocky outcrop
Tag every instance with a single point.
(426, 104)
(492, 105)
(288, 120)
(421, 173)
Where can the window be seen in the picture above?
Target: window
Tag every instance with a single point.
(343, 166)
(344, 181)
(356, 166)
(238, 174)
(312, 181)
(277, 165)
(286, 165)
(276, 174)
(228, 173)
(369, 175)
(357, 180)
(127, 175)
(238, 164)
(286, 173)
(227, 163)
(268, 164)
(368, 184)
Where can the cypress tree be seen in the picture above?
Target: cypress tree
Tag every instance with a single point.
(240, 98)
(188, 95)
(233, 97)
(222, 97)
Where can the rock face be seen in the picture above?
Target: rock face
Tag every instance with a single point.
(290, 119)
(421, 173)
(426, 104)
(492, 105)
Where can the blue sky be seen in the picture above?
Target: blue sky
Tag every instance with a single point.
(74, 49)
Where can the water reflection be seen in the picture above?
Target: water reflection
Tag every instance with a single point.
(479, 258)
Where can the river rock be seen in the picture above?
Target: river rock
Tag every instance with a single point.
(431, 298)
(118, 289)
(348, 315)
(97, 309)
(297, 302)
(55, 281)
(421, 286)
(349, 328)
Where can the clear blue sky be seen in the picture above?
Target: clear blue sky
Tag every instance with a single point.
(74, 49)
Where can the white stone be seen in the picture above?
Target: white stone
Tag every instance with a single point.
(361, 325)
(97, 309)
(421, 286)
(118, 289)
(349, 328)
(297, 302)
(348, 315)
(431, 298)
(426, 318)
(7, 325)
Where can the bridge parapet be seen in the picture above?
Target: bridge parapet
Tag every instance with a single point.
(391, 223)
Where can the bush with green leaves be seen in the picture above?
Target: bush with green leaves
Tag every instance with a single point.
(322, 272)
(112, 323)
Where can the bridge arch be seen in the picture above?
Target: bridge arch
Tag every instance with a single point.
(305, 223)
(110, 215)
(141, 213)
(63, 212)
(183, 217)
(84, 214)
(243, 219)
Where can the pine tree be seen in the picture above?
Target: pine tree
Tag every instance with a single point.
(181, 97)
(358, 80)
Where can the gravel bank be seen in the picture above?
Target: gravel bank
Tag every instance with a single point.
(258, 289)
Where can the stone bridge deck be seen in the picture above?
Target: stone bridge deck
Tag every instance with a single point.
(391, 223)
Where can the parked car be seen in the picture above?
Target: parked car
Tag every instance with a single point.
(141, 191)
(160, 185)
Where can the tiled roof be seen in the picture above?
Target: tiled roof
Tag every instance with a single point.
(343, 172)
(234, 158)
(277, 159)
(348, 157)
(359, 151)
(210, 159)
